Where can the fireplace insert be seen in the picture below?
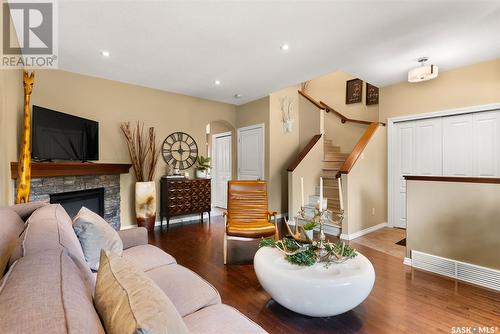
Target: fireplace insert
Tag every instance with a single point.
(72, 201)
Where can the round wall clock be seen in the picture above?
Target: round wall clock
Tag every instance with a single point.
(179, 150)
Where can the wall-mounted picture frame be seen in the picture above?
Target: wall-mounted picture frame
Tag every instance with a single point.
(353, 91)
(371, 94)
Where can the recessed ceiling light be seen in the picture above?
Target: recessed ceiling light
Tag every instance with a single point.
(105, 53)
(238, 96)
(285, 47)
(217, 82)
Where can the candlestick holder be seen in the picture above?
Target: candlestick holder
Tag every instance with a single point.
(323, 217)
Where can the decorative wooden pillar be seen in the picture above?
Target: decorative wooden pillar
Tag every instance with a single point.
(24, 166)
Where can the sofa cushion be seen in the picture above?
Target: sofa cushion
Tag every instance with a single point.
(94, 234)
(25, 210)
(147, 257)
(221, 319)
(50, 228)
(44, 293)
(135, 236)
(129, 302)
(11, 226)
(187, 291)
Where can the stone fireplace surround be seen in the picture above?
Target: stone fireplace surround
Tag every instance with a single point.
(51, 178)
(42, 188)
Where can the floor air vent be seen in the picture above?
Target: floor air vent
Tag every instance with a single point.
(467, 272)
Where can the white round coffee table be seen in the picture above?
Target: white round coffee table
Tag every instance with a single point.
(314, 291)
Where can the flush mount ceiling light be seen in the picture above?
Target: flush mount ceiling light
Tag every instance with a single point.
(105, 53)
(217, 82)
(285, 47)
(423, 72)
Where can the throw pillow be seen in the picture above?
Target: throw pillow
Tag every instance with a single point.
(129, 302)
(94, 234)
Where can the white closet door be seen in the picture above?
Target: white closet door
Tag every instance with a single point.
(405, 165)
(457, 145)
(486, 126)
(428, 147)
(251, 152)
(221, 169)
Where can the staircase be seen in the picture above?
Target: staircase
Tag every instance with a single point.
(332, 161)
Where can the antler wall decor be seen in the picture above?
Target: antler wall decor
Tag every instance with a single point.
(286, 113)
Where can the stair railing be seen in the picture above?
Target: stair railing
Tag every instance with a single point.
(323, 106)
(358, 149)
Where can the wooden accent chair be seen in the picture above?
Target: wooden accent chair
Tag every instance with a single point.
(247, 217)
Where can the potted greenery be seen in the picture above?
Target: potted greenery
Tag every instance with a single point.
(202, 167)
(309, 229)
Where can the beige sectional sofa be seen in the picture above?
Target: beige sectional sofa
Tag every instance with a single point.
(47, 286)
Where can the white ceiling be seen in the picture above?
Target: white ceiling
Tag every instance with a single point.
(183, 46)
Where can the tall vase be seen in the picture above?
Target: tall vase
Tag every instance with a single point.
(145, 204)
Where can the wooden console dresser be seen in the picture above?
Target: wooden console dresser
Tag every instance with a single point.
(184, 197)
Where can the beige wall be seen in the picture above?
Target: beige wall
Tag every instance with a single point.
(365, 188)
(309, 122)
(10, 129)
(331, 90)
(463, 87)
(307, 169)
(252, 113)
(4, 175)
(459, 221)
(466, 86)
(217, 127)
(283, 149)
(110, 103)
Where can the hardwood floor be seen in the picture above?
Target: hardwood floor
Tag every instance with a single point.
(402, 300)
(384, 240)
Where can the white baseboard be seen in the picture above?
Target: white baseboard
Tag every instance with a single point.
(407, 261)
(358, 234)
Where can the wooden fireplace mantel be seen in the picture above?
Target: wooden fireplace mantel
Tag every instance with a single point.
(50, 169)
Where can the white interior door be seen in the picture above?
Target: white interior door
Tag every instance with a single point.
(404, 165)
(429, 147)
(467, 144)
(486, 127)
(457, 145)
(251, 152)
(221, 168)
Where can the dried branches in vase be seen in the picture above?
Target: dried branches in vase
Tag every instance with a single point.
(144, 152)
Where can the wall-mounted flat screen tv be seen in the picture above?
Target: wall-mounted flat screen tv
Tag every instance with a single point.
(59, 136)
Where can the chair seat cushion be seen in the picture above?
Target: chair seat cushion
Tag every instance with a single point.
(221, 319)
(147, 257)
(187, 291)
(254, 229)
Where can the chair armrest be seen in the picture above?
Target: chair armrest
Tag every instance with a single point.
(135, 236)
(271, 215)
